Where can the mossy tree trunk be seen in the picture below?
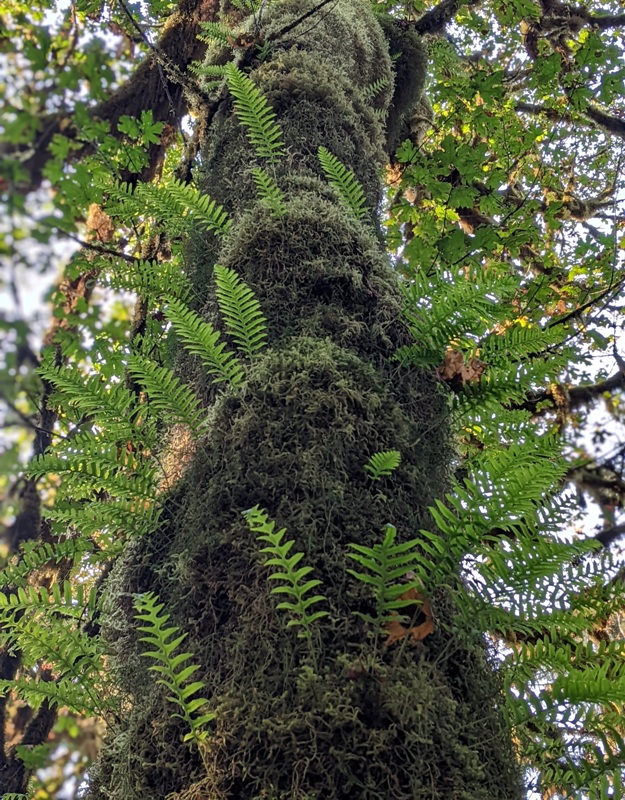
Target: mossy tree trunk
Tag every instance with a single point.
(340, 715)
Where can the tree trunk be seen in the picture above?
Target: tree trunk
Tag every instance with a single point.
(340, 715)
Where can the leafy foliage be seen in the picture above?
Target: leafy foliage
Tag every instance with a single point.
(383, 464)
(201, 339)
(168, 396)
(181, 206)
(290, 576)
(344, 181)
(173, 668)
(255, 114)
(388, 566)
(45, 625)
(506, 244)
(269, 191)
(241, 311)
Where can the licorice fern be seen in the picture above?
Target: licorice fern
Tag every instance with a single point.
(173, 667)
(45, 626)
(211, 32)
(390, 569)
(167, 395)
(154, 281)
(382, 464)
(269, 191)
(291, 576)
(36, 556)
(344, 181)
(372, 89)
(109, 405)
(201, 339)
(241, 311)
(181, 208)
(255, 114)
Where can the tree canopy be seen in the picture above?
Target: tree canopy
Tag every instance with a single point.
(502, 218)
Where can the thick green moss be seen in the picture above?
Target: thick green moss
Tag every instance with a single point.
(339, 716)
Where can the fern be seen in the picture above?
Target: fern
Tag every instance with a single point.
(108, 405)
(35, 556)
(44, 625)
(382, 464)
(344, 181)
(241, 311)
(289, 575)
(255, 115)
(211, 32)
(202, 340)
(452, 310)
(168, 397)
(373, 89)
(269, 192)
(98, 466)
(174, 669)
(388, 569)
(152, 280)
(178, 206)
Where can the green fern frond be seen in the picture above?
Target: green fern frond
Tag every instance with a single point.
(168, 397)
(173, 667)
(177, 205)
(152, 280)
(289, 575)
(388, 569)
(44, 625)
(109, 405)
(100, 467)
(201, 339)
(383, 464)
(35, 556)
(241, 311)
(269, 192)
(344, 181)
(372, 89)
(442, 313)
(113, 519)
(255, 114)
(211, 32)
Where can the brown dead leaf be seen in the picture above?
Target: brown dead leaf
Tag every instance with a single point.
(100, 222)
(397, 631)
(455, 371)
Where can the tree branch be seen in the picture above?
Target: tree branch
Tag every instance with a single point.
(609, 535)
(157, 84)
(434, 20)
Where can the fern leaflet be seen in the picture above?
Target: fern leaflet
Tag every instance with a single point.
(201, 339)
(269, 192)
(168, 397)
(241, 311)
(289, 575)
(382, 464)
(215, 32)
(344, 181)
(255, 114)
(173, 668)
(387, 564)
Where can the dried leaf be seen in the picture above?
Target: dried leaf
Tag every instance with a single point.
(397, 631)
(100, 222)
(454, 370)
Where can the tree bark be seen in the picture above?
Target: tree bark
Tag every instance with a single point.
(340, 715)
